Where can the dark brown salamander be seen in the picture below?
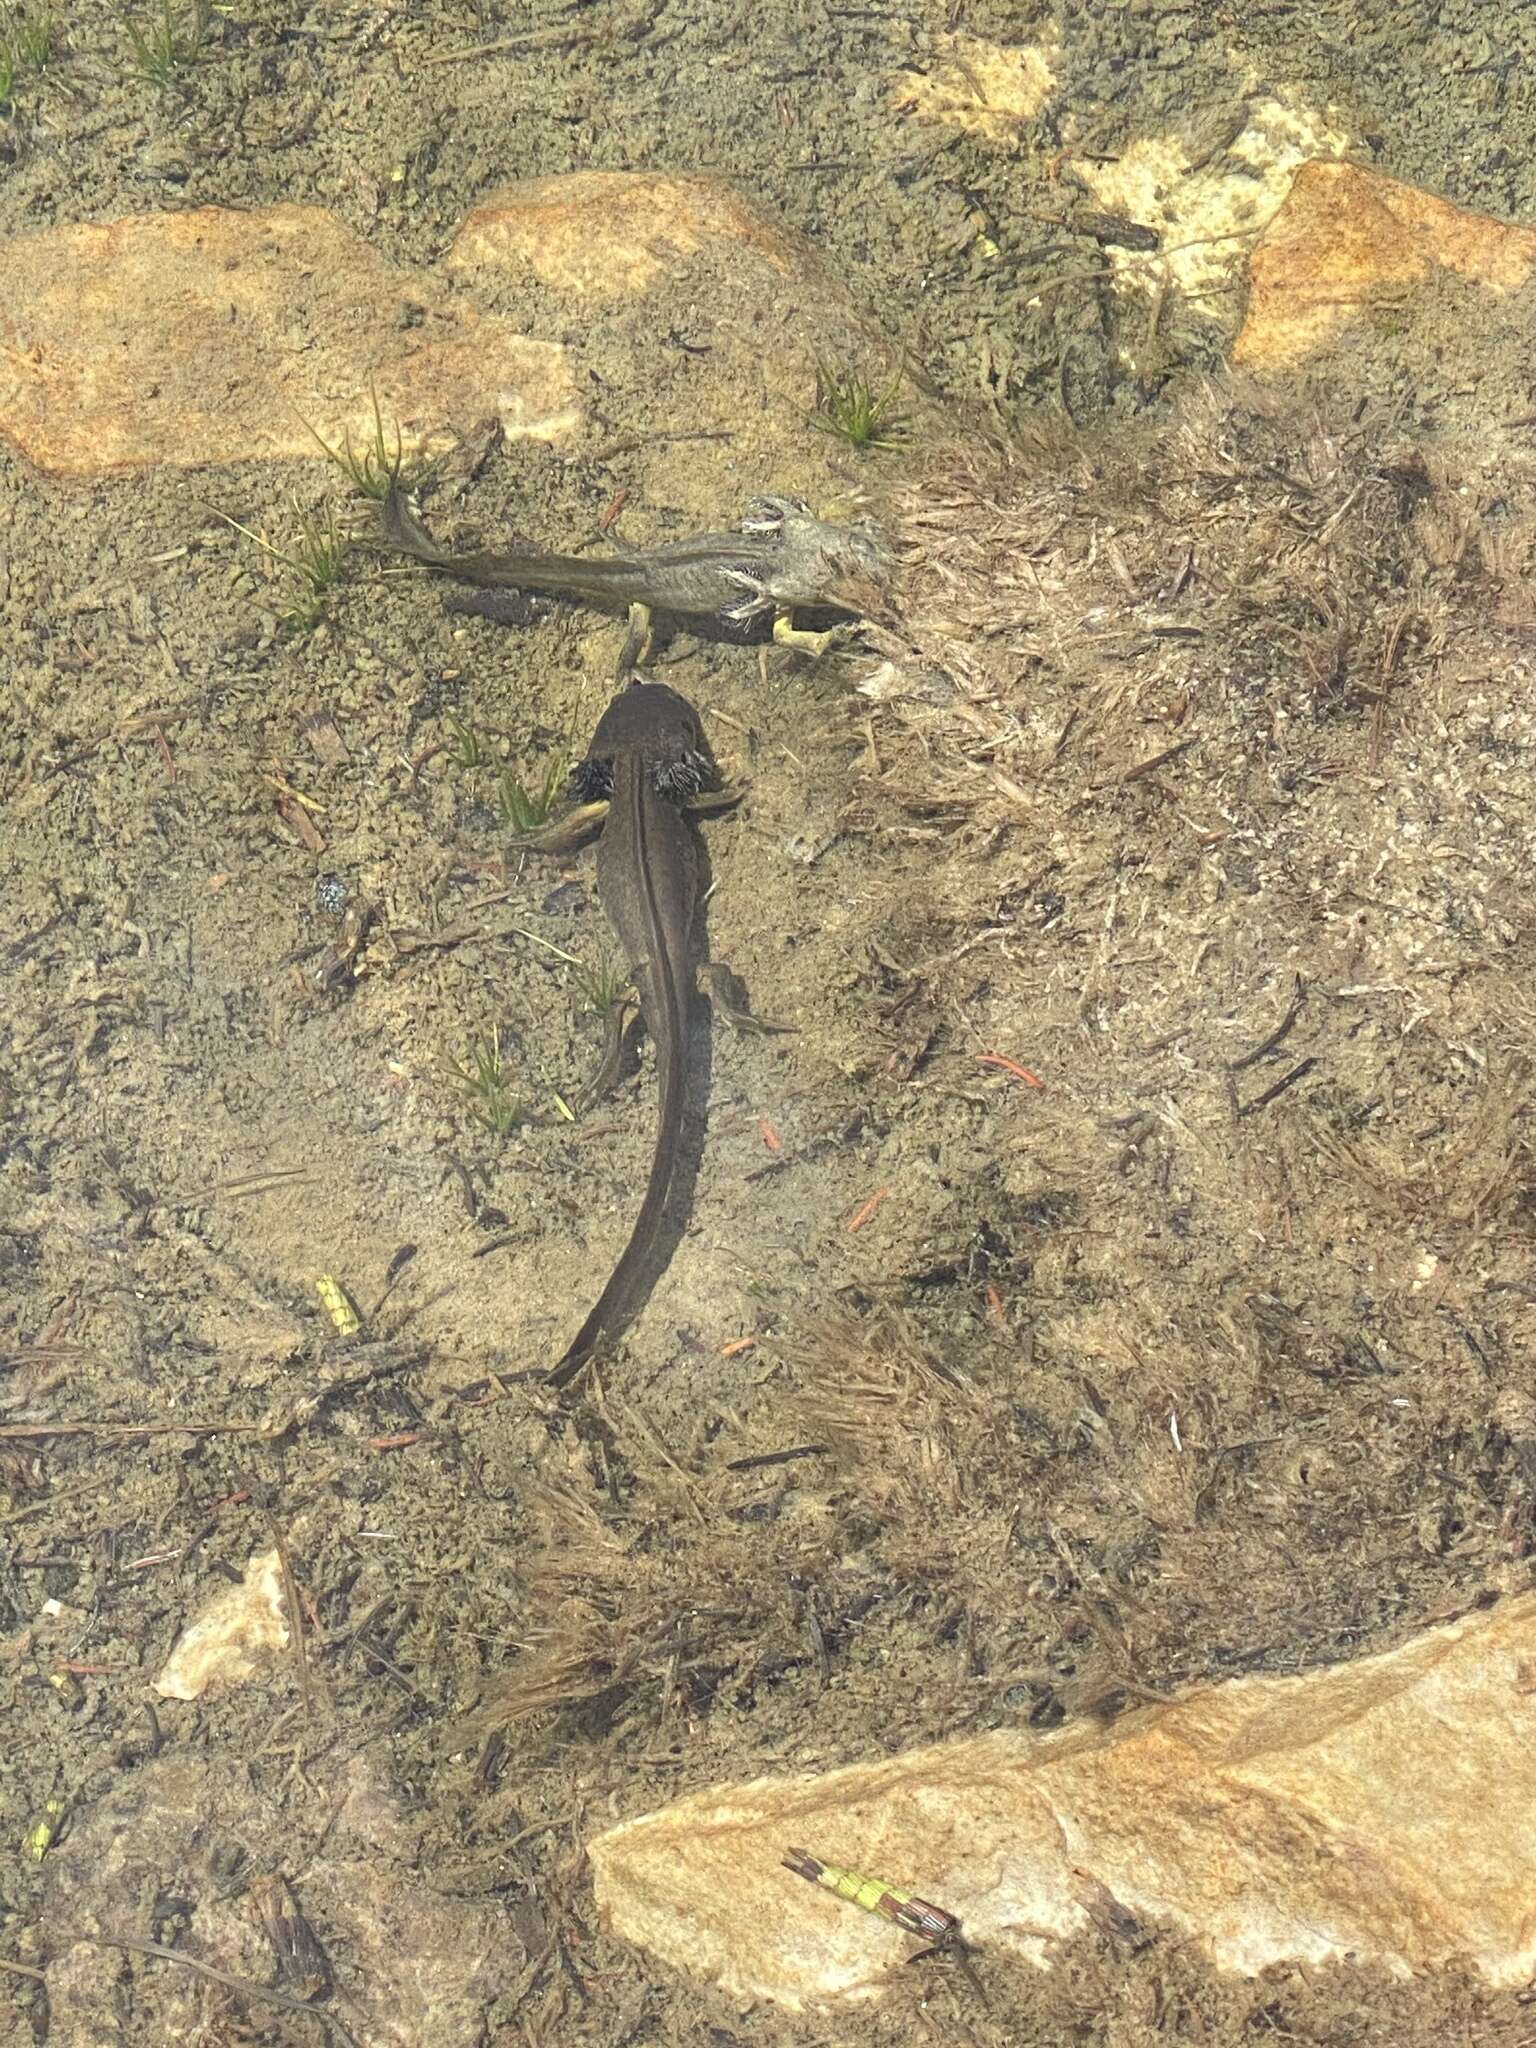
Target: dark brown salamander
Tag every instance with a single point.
(647, 758)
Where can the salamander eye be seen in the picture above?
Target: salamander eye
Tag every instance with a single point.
(764, 515)
(768, 515)
(592, 780)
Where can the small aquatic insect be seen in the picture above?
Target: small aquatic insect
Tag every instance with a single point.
(337, 1304)
(46, 1829)
(332, 895)
(912, 1914)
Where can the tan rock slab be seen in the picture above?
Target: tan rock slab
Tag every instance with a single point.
(212, 336)
(610, 234)
(1371, 1810)
(1344, 238)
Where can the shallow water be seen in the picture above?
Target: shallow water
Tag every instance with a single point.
(985, 1317)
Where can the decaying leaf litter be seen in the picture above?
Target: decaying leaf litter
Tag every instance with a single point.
(1201, 754)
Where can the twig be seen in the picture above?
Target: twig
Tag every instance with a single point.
(858, 1222)
(30, 1430)
(242, 1985)
(761, 1458)
(1151, 767)
(1250, 1059)
(35, 1507)
(523, 933)
(295, 1612)
(252, 1184)
(1001, 1059)
(23, 946)
(1140, 259)
(1279, 1087)
(628, 447)
(134, 727)
(1066, 732)
(557, 39)
(1218, 1457)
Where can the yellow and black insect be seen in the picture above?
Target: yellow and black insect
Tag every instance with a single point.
(46, 1829)
(941, 1930)
(337, 1304)
(913, 1914)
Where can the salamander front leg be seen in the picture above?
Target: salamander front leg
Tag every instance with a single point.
(638, 641)
(787, 634)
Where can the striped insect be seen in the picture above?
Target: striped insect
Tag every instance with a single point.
(337, 1304)
(910, 1913)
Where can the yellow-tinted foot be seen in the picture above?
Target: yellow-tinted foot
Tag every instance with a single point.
(787, 634)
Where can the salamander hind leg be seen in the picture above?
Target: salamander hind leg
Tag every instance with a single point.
(728, 994)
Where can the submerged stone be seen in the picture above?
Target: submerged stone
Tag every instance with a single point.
(609, 234)
(239, 1634)
(1347, 240)
(218, 336)
(1340, 1814)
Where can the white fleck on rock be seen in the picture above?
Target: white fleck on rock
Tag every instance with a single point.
(236, 1636)
(986, 88)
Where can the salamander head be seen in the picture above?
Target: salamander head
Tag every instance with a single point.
(653, 721)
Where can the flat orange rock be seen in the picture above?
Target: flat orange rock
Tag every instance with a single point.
(1346, 237)
(1348, 1812)
(608, 234)
(213, 336)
